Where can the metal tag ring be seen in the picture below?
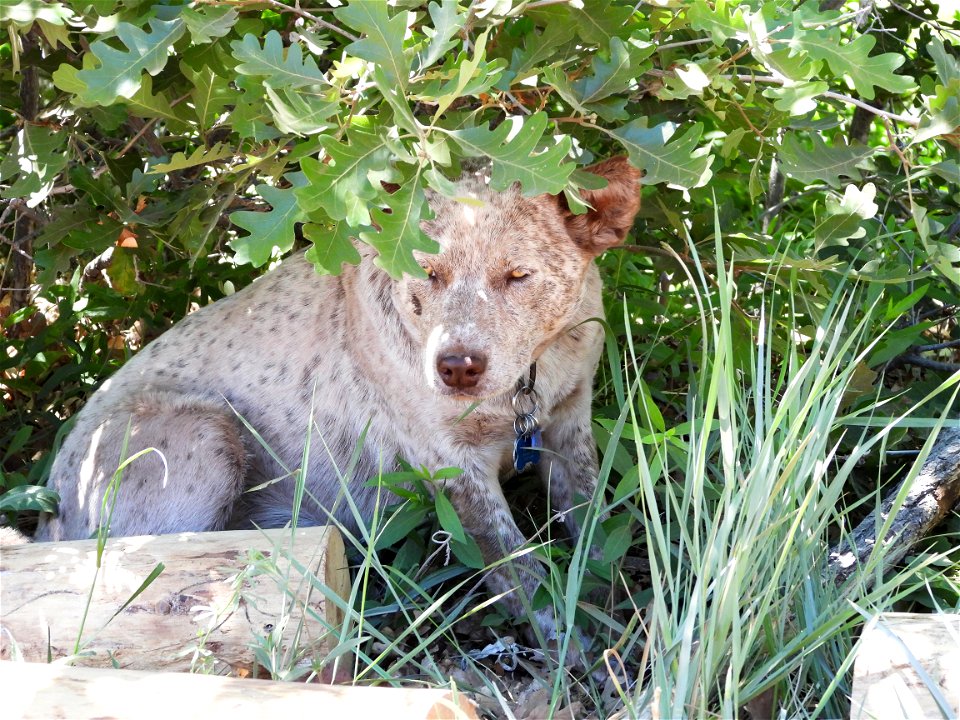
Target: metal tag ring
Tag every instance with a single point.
(524, 425)
(531, 394)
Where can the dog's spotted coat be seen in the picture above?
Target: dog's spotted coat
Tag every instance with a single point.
(402, 360)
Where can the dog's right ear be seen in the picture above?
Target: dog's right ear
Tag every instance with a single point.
(612, 208)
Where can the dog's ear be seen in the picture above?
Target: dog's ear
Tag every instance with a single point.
(612, 208)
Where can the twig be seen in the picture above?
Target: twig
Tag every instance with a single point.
(953, 230)
(18, 250)
(771, 80)
(661, 252)
(796, 196)
(936, 346)
(20, 205)
(286, 8)
(944, 312)
(146, 127)
(920, 361)
(929, 21)
(684, 43)
(545, 3)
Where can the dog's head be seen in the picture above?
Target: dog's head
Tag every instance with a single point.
(509, 277)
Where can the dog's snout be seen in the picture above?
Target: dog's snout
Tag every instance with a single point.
(461, 371)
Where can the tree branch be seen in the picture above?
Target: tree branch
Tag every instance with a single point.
(920, 361)
(933, 494)
(296, 10)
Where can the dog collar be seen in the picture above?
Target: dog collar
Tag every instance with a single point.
(526, 425)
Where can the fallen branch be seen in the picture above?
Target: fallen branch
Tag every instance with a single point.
(933, 494)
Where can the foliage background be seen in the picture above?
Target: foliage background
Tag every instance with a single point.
(157, 156)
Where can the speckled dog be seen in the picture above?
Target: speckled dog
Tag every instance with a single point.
(513, 284)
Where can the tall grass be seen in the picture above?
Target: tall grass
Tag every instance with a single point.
(734, 510)
(739, 508)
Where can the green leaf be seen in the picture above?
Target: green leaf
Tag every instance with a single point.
(446, 473)
(397, 100)
(102, 192)
(619, 539)
(17, 442)
(301, 111)
(24, 14)
(948, 67)
(447, 516)
(342, 187)
(273, 231)
(942, 122)
(332, 247)
(201, 156)
(723, 21)
(541, 48)
(282, 70)
(466, 72)
(514, 159)
(81, 228)
(798, 98)
(55, 33)
(609, 76)
(383, 44)
(400, 525)
(949, 170)
(824, 163)
(35, 157)
(853, 60)
(663, 158)
(206, 24)
(119, 71)
(843, 219)
(144, 103)
(897, 342)
(468, 553)
(447, 21)
(896, 309)
(399, 231)
(211, 94)
(29, 497)
(600, 20)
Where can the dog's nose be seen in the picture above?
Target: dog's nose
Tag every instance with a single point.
(461, 371)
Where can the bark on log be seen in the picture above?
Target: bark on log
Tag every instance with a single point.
(32, 691)
(908, 665)
(205, 599)
(934, 493)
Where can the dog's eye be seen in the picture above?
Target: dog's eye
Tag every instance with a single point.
(518, 274)
(428, 269)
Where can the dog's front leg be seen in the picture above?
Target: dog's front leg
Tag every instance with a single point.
(569, 466)
(481, 507)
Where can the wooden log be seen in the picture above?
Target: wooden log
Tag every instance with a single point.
(32, 691)
(934, 492)
(218, 593)
(908, 666)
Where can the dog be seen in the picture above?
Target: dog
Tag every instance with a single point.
(491, 354)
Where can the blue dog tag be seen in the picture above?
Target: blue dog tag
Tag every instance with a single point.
(526, 450)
